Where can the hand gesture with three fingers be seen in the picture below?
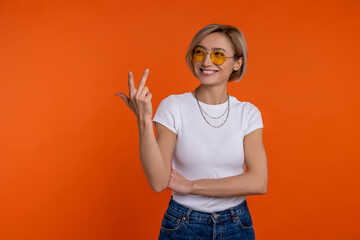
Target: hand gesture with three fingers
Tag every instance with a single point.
(139, 100)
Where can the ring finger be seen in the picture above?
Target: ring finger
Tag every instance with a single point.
(144, 92)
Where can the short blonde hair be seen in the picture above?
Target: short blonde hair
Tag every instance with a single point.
(235, 36)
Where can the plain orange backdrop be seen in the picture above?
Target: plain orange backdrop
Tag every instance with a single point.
(69, 160)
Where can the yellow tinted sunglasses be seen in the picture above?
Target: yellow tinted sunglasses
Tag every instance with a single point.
(217, 57)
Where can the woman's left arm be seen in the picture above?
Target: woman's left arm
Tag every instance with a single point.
(253, 182)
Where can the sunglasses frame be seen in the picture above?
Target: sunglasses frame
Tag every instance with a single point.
(211, 55)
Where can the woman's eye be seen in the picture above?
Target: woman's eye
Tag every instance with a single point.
(219, 54)
(199, 51)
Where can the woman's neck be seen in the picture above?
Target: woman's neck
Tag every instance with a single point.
(212, 95)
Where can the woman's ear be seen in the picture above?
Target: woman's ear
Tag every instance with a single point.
(238, 64)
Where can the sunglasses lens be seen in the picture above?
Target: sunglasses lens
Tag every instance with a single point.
(198, 55)
(218, 57)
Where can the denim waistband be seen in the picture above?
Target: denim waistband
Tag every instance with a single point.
(188, 213)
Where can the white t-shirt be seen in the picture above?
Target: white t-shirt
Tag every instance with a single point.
(205, 152)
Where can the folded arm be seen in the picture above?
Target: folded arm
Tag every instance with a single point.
(253, 182)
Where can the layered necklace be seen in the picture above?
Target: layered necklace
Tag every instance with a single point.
(202, 111)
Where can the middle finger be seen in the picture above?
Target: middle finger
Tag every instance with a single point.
(143, 79)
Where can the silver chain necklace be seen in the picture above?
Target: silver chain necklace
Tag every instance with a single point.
(202, 110)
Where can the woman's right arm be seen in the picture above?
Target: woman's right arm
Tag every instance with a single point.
(155, 155)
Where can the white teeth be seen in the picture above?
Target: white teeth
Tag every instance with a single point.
(208, 72)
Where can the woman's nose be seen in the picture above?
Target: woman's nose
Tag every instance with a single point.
(207, 59)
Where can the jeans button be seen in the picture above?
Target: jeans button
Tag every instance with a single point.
(215, 215)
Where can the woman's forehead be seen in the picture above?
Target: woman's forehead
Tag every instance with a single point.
(212, 49)
(215, 41)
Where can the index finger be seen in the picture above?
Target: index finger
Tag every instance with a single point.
(131, 83)
(143, 79)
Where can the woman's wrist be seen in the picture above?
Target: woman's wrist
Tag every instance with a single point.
(201, 186)
(194, 188)
(191, 187)
(143, 123)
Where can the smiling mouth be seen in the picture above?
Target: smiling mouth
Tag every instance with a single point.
(208, 71)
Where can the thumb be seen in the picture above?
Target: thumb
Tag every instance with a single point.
(124, 97)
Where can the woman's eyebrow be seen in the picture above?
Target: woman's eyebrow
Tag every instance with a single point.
(212, 48)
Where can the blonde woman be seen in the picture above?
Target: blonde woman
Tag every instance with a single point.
(204, 139)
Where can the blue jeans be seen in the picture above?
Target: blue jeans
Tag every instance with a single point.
(180, 222)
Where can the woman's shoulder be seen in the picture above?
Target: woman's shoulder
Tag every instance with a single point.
(177, 97)
(174, 101)
(246, 105)
(241, 102)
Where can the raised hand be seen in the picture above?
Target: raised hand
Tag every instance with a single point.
(139, 100)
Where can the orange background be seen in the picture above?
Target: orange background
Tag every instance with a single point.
(69, 160)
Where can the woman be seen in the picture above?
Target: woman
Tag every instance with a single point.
(204, 139)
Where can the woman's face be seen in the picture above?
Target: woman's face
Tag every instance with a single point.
(209, 73)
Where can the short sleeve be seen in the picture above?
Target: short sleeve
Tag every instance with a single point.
(167, 114)
(254, 119)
